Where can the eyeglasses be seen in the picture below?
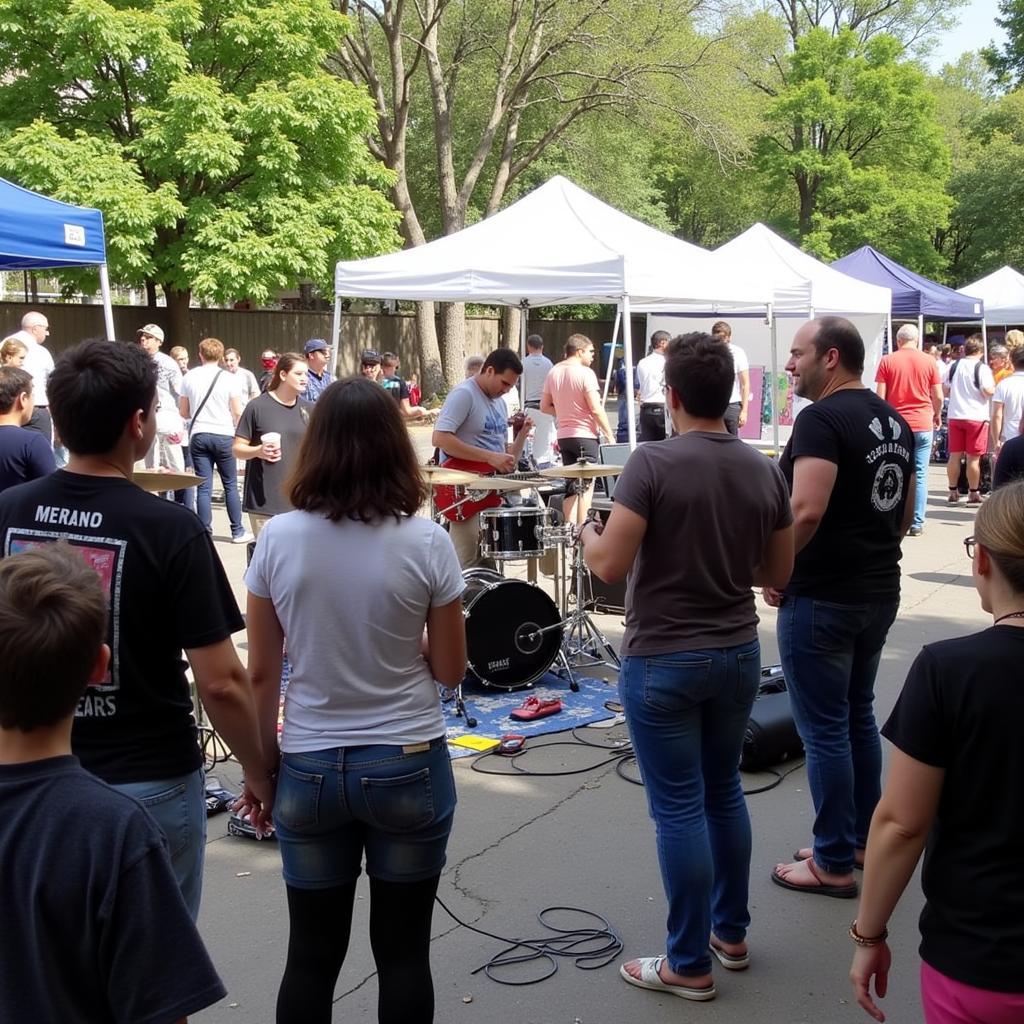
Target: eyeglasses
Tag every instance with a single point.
(969, 545)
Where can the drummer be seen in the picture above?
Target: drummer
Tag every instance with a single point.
(473, 427)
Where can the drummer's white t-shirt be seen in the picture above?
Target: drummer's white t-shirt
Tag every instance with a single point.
(353, 600)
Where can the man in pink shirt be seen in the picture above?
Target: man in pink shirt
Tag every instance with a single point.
(908, 379)
(573, 396)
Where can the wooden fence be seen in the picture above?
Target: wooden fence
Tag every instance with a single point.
(252, 331)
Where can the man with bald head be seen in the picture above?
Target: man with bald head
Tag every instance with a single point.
(35, 329)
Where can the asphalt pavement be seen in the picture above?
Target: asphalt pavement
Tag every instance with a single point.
(523, 843)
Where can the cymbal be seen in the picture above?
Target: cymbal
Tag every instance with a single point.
(155, 480)
(439, 476)
(499, 483)
(581, 471)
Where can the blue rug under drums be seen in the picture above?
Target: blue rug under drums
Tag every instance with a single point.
(491, 708)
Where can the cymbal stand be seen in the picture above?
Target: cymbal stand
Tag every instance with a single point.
(582, 640)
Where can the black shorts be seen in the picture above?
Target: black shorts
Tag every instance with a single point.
(571, 449)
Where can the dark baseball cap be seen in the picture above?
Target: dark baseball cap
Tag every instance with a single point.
(370, 357)
(316, 345)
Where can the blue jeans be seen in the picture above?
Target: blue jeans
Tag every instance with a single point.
(178, 806)
(922, 457)
(208, 451)
(830, 654)
(333, 804)
(687, 714)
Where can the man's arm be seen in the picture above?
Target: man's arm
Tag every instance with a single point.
(236, 407)
(937, 405)
(881, 388)
(997, 423)
(594, 401)
(777, 560)
(611, 550)
(183, 407)
(813, 482)
(744, 378)
(908, 508)
(546, 403)
(456, 449)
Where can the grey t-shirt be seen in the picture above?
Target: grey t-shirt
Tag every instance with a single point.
(353, 599)
(474, 418)
(535, 369)
(265, 481)
(711, 502)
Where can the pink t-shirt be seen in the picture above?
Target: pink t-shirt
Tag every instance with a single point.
(567, 385)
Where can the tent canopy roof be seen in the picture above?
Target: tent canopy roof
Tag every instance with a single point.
(1003, 294)
(800, 283)
(37, 232)
(912, 294)
(557, 245)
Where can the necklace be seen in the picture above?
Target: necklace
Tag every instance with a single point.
(1009, 615)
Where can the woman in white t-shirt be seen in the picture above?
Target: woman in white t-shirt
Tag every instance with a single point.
(351, 579)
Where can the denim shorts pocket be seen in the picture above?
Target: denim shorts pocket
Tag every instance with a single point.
(297, 803)
(401, 803)
(675, 682)
(169, 808)
(834, 627)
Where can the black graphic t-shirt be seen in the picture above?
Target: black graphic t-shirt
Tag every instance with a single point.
(265, 481)
(396, 387)
(855, 552)
(168, 592)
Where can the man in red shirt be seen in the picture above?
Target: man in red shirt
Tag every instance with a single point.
(908, 379)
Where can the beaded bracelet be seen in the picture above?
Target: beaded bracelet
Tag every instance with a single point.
(864, 940)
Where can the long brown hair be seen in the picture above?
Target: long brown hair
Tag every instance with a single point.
(356, 459)
(285, 363)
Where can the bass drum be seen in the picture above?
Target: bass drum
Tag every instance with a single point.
(503, 616)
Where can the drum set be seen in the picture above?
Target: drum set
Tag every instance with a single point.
(515, 632)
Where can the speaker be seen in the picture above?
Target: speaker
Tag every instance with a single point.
(771, 735)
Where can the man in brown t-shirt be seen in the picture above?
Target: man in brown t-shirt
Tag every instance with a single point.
(697, 521)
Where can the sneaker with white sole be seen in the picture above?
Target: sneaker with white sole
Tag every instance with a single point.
(243, 538)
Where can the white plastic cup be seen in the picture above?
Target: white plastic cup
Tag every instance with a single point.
(273, 438)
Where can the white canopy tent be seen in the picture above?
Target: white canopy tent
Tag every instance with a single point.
(802, 287)
(1003, 294)
(558, 245)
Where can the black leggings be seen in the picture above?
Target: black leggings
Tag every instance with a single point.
(320, 921)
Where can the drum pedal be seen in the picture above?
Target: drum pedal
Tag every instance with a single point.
(511, 744)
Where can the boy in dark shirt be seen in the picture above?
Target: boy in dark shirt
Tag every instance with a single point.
(95, 926)
(24, 454)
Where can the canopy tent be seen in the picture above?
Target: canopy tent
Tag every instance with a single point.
(557, 245)
(802, 287)
(913, 297)
(1003, 295)
(38, 233)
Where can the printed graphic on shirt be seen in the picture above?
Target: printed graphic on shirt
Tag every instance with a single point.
(887, 486)
(106, 556)
(496, 423)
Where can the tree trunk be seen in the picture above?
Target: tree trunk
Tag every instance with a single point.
(151, 294)
(511, 325)
(453, 340)
(179, 317)
(432, 375)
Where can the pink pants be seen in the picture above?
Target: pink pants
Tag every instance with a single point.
(946, 1001)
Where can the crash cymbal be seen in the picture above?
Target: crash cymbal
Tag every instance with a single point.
(156, 480)
(499, 483)
(581, 471)
(440, 477)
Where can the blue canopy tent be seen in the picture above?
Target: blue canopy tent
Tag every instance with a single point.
(914, 297)
(38, 233)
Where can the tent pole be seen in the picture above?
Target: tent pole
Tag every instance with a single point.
(888, 335)
(627, 351)
(945, 331)
(611, 358)
(336, 331)
(920, 328)
(524, 318)
(984, 339)
(108, 312)
(772, 383)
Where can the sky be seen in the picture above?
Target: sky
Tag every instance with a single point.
(977, 28)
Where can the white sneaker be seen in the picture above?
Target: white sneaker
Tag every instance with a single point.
(243, 538)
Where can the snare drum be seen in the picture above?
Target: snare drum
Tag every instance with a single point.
(507, 534)
(505, 648)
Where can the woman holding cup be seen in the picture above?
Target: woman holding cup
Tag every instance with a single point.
(268, 437)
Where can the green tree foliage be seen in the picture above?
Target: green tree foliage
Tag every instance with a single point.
(852, 131)
(227, 161)
(1007, 61)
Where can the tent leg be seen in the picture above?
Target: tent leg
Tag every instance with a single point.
(524, 321)
(611, 358)
(108, 312)
(984, 339)
(336, 332)
(920, 328)
(627, 351)
(772, 383)
(889, 346)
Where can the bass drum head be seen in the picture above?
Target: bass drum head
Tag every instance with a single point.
(500, 617)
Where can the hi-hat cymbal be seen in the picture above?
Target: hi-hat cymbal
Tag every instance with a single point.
(499, 483)
(154, 480)
(581, 471)
(439, 476)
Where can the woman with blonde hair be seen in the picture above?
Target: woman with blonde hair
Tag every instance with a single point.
(956, 790)
(1014, 339)
(13, 352)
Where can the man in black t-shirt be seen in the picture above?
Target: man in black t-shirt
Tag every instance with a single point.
(167, 592)
(1010, 464)
(850, 466)
(395, 386)
(95, 928)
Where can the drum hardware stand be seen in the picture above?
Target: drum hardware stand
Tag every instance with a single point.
(592, 647)
(460, 708)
